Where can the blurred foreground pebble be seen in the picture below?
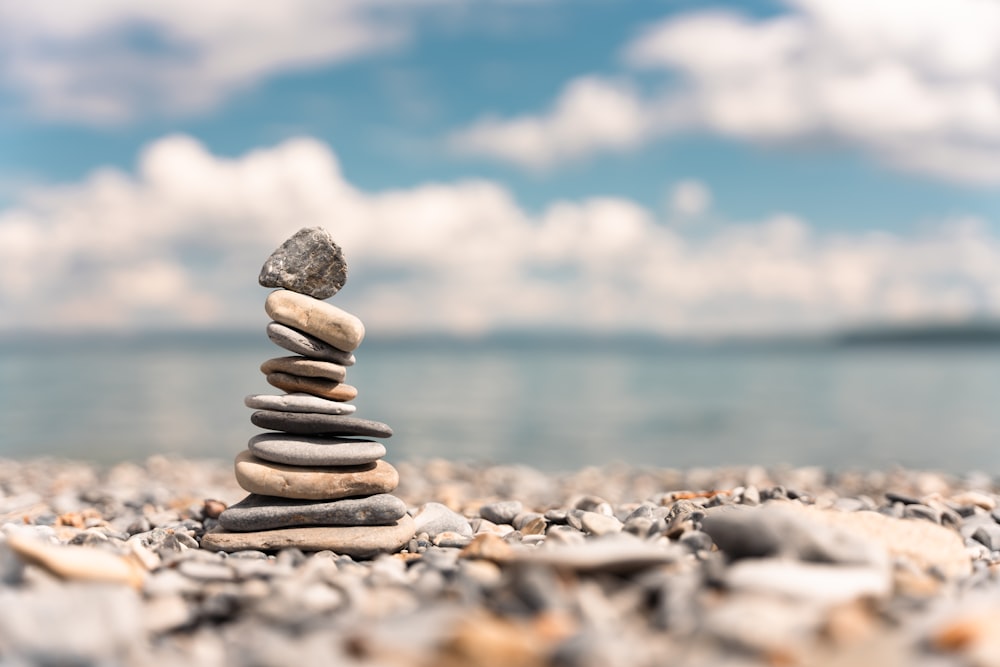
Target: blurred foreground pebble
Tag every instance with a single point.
(611, 566)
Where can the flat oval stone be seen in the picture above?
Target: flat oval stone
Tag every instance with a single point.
(313, 483)
(305, 368)
(298, 402)
(301, 450)
(309, 262)
(328, 389)
(306, 423)
(257, 512)
(316, 318)
(355, 541)
(298, 342)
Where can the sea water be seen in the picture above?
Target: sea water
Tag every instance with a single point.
(555, 405)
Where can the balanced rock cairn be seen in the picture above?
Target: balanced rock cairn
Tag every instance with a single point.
(315, 481)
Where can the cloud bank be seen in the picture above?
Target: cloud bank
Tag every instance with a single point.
(179, 242)
(915, 83)
(111, 61)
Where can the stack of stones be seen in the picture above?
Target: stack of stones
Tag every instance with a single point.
(316, 481)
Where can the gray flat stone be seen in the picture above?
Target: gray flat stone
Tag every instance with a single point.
(302, 343)
(256, 512)
(355, 541)
(309, 263)
(298, 402)
(301, 450)
(313, 483)
(306, 423)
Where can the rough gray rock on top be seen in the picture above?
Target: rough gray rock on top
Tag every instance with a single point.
(308, 263)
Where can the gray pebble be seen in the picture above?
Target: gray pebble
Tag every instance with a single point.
(640, 526)
(643, 511)
(988, 535)
(918, 511)
(696, 540)
(501, 512)
(600, 524)
(435, 518)
(303, 450)
(308, 423)
(302, 343)
(594, 504)
(557, 515)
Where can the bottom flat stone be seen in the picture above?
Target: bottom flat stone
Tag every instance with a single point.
(355, 541)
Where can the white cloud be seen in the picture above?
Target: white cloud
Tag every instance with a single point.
(591, 114)
(180, 241)
(108, 61)
(916, 83)
(690, 198)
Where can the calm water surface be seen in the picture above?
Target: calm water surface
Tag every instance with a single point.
(551, 406)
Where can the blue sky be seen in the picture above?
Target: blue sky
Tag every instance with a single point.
(673, 167)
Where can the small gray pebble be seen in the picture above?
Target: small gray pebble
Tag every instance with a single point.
(918, 511)
(696, 540)
(640, 526)
(574, 519)
(501, 512)
(600, 524)
(643, 511)
(434, 518)
(988, 535)
(894, 497)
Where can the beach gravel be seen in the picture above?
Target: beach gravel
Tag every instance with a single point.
(496, 565)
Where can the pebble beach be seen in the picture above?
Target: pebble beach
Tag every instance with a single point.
(509, 565)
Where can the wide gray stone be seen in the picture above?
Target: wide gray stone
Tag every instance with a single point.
(309, 263)
(256, 512)
(306, 423)
(298, 402)
(301, 450)
(356, 541)
(302, 343)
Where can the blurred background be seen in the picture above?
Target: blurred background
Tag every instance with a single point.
(579, 231)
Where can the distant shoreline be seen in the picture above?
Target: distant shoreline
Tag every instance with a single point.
(970, 334)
